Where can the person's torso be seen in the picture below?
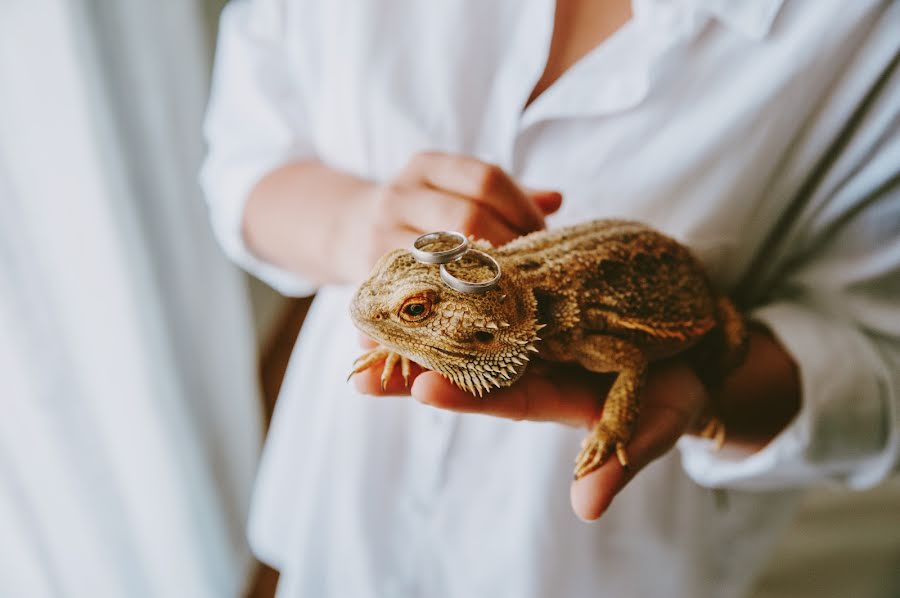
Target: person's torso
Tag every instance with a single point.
(691, 121)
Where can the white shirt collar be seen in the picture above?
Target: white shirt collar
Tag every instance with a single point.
(626, 63)
(753, 18)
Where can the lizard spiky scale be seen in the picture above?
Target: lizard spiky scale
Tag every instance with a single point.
(610, 295)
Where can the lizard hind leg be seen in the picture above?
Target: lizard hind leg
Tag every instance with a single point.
(613, 430)
(718, 356)
(714, 429)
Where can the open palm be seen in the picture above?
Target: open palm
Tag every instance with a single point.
(671, 403)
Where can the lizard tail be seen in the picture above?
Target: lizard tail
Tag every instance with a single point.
(734, 334)
(724, 348)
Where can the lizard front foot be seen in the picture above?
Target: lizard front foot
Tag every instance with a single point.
(376, 355)
(598, 446)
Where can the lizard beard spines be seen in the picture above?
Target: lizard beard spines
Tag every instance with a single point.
(499, 368)
(480, 377)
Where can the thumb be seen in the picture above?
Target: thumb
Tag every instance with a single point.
(592, 494)
(672, 399)
(547, 201)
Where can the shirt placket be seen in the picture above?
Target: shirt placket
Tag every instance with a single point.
(432, 434)
(433, 438)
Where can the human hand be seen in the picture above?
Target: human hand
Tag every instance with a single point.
(672, 403)
(437, 191)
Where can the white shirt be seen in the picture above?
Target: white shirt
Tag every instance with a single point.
(763, 134)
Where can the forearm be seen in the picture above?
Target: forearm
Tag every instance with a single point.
(762, 396)
(300, 215)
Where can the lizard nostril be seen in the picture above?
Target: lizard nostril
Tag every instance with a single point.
(483, 336)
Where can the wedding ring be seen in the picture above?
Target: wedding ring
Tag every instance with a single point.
(473, 287)
(440, 257)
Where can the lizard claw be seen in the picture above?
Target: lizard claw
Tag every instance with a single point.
(714, 430)
(372, 357)
(597, 447)
(367, 360)
(404, 370)
(390, 361)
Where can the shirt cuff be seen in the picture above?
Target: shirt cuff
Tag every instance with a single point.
(843, 431)
(231, 188)
(255, 123)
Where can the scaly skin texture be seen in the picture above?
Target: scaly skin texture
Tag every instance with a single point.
(610, 295)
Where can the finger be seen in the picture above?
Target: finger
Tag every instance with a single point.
(365, 342)
(369, 381)
(671, 404)
(395, 237)
(493, 230)
(571, 400)
(427, 210)
(546, 201)
(592, 494)
(403, 238)
(479, 181)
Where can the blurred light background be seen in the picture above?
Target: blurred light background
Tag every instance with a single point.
(134, 359)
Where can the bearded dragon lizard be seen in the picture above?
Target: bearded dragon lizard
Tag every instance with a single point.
(610, 295)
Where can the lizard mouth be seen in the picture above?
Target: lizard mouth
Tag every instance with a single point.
(451, 353)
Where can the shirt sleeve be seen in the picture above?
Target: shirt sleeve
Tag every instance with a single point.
(835, 307)
(255, 122)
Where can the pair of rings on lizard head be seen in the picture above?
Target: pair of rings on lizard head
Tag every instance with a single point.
(459, 248)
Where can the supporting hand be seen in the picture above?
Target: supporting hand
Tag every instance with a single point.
(757, 401)
(671, 404)
(437, 191)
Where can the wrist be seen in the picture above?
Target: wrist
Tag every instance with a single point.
(760, 398)
(354, 229)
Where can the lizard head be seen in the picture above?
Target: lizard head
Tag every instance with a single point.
(478, 341)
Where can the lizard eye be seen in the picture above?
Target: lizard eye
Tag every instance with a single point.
(416, 309)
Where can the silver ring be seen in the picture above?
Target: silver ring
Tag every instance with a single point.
(440, 257)
(473, 287)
